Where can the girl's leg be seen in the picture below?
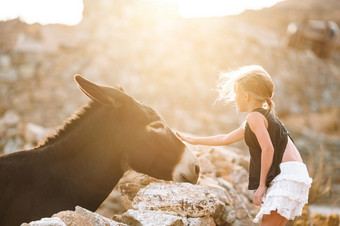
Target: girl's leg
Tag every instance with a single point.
(274, 219)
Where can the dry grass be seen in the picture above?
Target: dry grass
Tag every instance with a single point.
(322, 182)
(320, 188)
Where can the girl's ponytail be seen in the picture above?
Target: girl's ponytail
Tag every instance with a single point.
(270, 105)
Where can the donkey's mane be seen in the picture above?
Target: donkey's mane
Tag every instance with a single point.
(72, 122)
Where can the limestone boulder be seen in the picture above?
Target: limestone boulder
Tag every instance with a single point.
(155, 218)
(131, 183)
(71, 218)
(80, 216)
(147, 217)
(128, 192)
(96, 219)
(112, 205)
(52, 221)
(181, 199)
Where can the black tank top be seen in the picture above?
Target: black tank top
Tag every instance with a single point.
(279, 137)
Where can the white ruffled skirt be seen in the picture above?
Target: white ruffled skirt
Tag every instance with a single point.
(288, 192)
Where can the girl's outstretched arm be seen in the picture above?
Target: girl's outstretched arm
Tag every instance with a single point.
(218, 140)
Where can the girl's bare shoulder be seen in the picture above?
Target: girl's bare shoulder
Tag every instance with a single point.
(254, 115)
(255, 118)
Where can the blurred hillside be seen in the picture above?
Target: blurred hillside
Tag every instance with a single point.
(280, 15)
(171, 64)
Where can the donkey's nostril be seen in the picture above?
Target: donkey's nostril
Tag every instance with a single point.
(197, 169)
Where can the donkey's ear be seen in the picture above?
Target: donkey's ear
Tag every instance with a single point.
(93, 91)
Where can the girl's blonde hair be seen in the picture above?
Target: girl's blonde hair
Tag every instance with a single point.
(252, 79)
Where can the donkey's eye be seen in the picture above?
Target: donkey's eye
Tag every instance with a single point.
(156, 126)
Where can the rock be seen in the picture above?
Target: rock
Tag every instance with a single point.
(8, 75)
(220, 193)
(201, 221)
(150, 218)
(206, 167)
(80, 216)
(11, 132)
(25, 43)
(183, 199)
(244, 161)
(227, 185)
(224, 214)
(27, 71)
(142, 179)
(222, 161)
(241, 214)
(53, 221)
(5, 61)
(12, 145)
(239, 178)
(240, 200)
(157, 198)
(155, 218)
(70, 218)
(112, 205)
(206, 180)
(131, 183)
(2, 128)
(11, 118)
(34, 133)
(128, 192)
(95, 219)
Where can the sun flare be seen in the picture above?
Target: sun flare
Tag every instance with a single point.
(42, 11)
(70, 12)
(213, 8)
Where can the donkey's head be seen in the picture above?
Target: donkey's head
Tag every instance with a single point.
(140, 133)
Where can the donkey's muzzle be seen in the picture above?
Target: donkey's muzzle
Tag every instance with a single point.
(187, 170)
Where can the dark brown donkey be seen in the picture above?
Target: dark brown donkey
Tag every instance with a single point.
(82, 163)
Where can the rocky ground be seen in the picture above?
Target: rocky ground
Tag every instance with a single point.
(172, 64)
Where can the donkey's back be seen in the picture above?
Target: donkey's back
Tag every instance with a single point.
(27, 190)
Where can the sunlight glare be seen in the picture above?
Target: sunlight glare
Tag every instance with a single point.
(70, 11)
(212, 8)
(42, 11)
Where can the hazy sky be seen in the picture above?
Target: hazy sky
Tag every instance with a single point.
(70, 11)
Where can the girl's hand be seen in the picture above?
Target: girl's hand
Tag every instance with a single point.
(185, 138)
(260, 192)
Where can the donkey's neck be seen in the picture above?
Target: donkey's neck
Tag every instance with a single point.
(88, 161)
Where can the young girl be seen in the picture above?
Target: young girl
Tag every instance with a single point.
(276, 169)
